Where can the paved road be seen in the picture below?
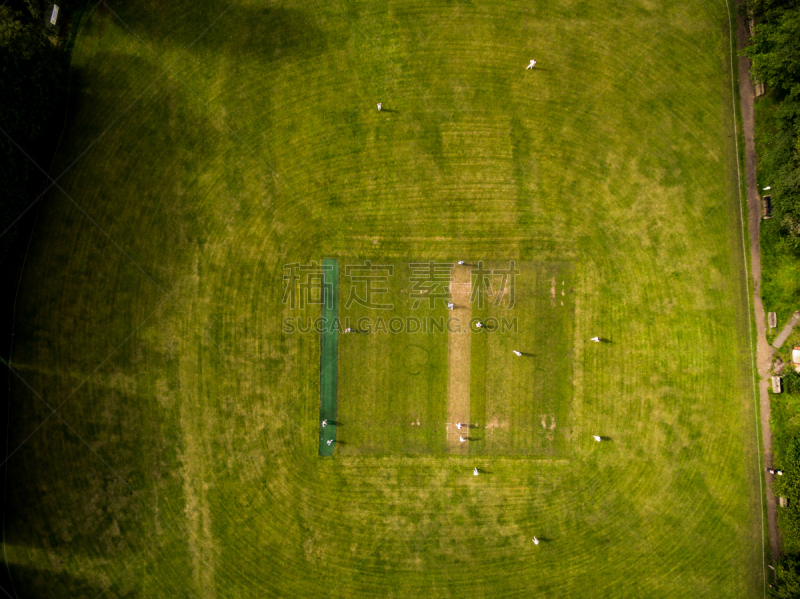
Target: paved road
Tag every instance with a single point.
(787, 330)
(764, 352)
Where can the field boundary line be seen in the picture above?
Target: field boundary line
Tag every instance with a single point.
(753, 361)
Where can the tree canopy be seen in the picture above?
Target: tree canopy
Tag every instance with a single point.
(787, 579)
(775, 49)
(32, 75)
(775, 54)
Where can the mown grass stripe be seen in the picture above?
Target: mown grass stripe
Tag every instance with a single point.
(329, 357)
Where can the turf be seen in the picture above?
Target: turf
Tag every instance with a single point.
(329, 357)
(390, 380)
(528, 398)
(209, 144)
(394, 362)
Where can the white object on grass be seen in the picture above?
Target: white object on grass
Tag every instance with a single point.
(324, 423)
(475, 472)
(458, 425)
(330, 441)
(479, 325)
(460, 262)
(379, 106)
(462, 439)
(517, 353)
(54, 14)
(596, 438)
(768, 187)
(535, 541)
(595, 339)
(530, 66)
(796, 358)
(450, 305)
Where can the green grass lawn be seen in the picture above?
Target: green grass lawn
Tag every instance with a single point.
(391, 378)
(209, 144)
(393, 390)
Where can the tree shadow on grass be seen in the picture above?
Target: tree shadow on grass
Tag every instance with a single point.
(268, 33)
(26, 581)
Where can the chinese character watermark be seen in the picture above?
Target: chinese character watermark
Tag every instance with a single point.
(365, 278)
(397, 325)
(307, 284)
(482, 285)
(313, 284)
(430, 281)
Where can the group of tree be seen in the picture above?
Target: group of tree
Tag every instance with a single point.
(33, 71)
(33, 83)
(786, 581)
(774, 50)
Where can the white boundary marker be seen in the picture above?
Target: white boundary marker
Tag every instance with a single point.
(756, 398)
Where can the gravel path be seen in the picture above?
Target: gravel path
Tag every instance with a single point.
(787, 330)
(764, 352)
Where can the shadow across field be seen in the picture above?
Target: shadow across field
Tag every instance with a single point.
(24, 581)
(268, 33)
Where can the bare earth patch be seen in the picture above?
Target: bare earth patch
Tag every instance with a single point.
(458, 361)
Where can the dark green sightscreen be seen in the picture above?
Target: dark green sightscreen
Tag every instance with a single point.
(329, 357)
